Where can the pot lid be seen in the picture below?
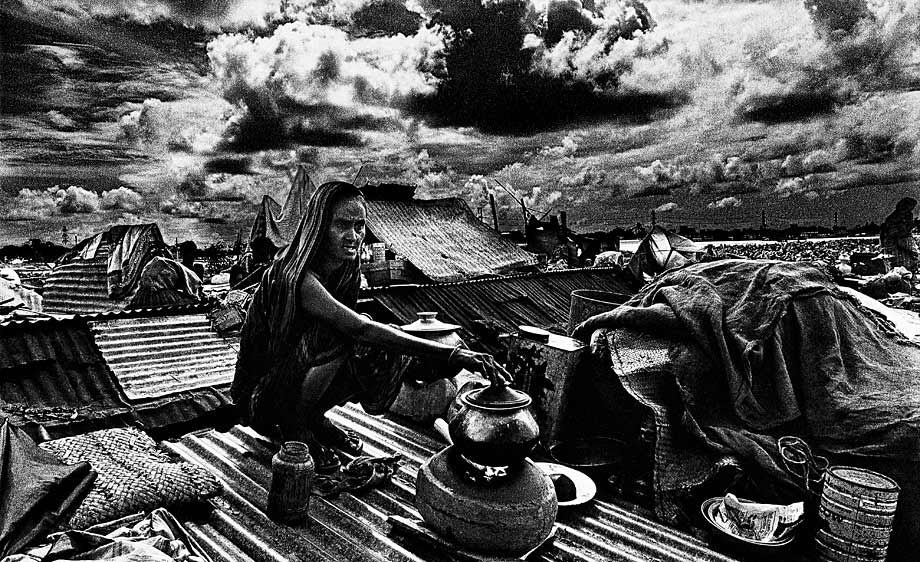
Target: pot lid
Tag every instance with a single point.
(498, 397)
(534, 333)
(428, 323)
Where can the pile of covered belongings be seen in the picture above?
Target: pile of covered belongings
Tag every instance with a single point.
(75, 483)
(155, 537)
(661, 250)
(768, 349)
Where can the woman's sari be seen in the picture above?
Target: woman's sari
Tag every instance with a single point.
(280, 344)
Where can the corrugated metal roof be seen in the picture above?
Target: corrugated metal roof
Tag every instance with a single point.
(539, 299)
(443, 239)
(80, 287)
(162, 355)
(84, 281)
(52, 375)
(354, 527)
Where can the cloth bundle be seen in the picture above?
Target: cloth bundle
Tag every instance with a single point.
(155, 537)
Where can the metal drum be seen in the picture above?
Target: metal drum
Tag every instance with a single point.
(586, 303)
(855, 515)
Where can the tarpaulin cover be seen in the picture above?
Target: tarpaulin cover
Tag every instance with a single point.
(165, 282)
(132, 247)
(35, 489)
(155, 537)
(661, 250)
(278, 223)
(775, 348)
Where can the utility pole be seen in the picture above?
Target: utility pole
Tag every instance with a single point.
(763, 220)
(494, 212)
(653, 217)
(836, 224)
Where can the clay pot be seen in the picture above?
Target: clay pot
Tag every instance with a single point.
(509, 516)
(494, 426)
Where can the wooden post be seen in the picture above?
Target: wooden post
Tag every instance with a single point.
(494, 212)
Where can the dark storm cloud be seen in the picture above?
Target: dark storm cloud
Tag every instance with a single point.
(854, 50)
(509, 69)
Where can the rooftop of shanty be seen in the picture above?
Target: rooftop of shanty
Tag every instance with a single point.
(441, 238)
(103, 273)
(158, 369)
(355, 526)
(485, 308)
(166, 370)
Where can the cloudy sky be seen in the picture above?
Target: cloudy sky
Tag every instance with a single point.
(707, 111)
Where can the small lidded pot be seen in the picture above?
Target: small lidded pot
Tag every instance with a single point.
(494, 426)
(430, 328)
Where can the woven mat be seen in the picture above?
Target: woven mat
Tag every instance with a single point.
(134, 475)
(646, 368)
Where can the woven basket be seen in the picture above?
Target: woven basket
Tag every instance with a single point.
(227, 317)
(134, 475)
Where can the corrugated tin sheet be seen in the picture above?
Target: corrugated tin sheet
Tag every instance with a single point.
(80, 287)
(52, 375)
(81, 284)
(163, 355)
(539, 299)
(354, 527)
(443, 239)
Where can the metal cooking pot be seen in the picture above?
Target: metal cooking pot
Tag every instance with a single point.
(494, 426)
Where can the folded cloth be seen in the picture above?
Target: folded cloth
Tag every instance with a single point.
(155, 537)
(37, 490)
(360, 474)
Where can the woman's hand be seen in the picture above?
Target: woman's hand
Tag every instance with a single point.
(658, 319)
(481, 363)
(584, 330)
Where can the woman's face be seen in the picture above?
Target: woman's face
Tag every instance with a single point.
(346, 229)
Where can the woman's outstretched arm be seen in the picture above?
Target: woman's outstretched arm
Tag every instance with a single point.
(317, 302)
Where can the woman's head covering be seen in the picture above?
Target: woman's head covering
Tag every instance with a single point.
(906, 204)
(272, 325)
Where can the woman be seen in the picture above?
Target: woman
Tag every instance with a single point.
(297, 352)
(897, 237)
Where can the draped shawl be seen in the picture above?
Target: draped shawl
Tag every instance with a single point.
(278, 344)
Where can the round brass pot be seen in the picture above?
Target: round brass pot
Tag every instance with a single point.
(494, 426)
